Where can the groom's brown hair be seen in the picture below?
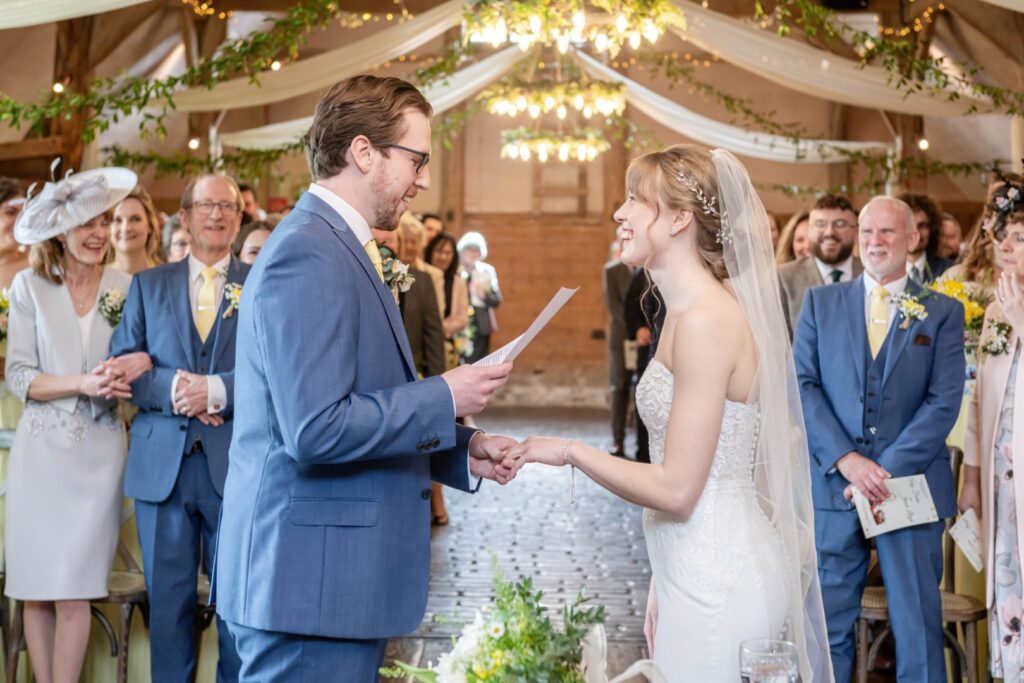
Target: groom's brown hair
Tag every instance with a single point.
(367, 105)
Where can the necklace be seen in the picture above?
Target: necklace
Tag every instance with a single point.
(80, 303)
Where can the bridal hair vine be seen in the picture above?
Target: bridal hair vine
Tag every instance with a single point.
(708, 204)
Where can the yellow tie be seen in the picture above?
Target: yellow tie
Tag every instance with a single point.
(206, 312)
(374, 253)
(878, 319)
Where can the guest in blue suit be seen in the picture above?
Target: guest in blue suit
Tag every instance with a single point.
(325, 533)
(184, 316)
(881, 388)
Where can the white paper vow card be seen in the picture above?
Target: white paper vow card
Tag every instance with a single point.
(909, 504)
(511, 350)
(967, 534)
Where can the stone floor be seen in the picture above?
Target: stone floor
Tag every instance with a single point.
(532, 530)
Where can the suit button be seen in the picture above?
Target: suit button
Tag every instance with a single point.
(435, 443)
(203, 354)
(183, 428)
(871, 410)
(859, 440)
(425, 494)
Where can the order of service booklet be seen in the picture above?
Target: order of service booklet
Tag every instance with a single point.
(909, 504)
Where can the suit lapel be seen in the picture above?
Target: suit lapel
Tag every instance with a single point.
(811, 273)
(899, 336)
(387, 300)
(224, 327)
(853, 306)
(177, 281)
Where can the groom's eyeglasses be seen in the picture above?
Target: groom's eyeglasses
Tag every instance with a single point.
(422, 157)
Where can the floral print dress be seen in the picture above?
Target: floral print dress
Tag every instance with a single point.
(1005, 619)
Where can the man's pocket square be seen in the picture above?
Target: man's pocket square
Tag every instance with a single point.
(922, 340)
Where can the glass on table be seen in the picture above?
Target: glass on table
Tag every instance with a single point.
(768, 661)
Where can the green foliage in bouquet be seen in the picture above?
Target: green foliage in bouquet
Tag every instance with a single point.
(513, 641)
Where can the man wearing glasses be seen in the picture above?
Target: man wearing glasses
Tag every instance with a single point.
(178, 456)
(832, 232)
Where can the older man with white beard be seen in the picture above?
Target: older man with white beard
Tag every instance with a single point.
(832, 231)
(881, 369)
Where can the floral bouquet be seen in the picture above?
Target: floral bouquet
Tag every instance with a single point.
(513, 640)
(974, 302)
(396, 273)
(112, 305)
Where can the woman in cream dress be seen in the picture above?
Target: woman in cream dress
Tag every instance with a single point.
(64, 476)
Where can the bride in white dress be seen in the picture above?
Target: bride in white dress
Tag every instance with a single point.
(728, 515)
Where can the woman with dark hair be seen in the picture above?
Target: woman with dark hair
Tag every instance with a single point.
(441, 253)
(250, 240)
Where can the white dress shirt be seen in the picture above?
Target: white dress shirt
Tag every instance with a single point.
(356, 222)
(846, 267)
(921, 263)
(216, 391)
(895, 289)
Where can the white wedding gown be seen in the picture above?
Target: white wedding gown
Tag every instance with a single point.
(718, 574)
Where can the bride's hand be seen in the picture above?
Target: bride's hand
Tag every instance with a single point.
(542, 449)
(651, 619)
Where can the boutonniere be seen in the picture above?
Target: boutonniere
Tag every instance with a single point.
(233, 294)
(112, 305)
(396, 273)
(910, 307)
(997, 339)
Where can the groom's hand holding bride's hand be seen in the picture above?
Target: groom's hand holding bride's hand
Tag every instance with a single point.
(472, 386)
(543, 449)
(489, 457)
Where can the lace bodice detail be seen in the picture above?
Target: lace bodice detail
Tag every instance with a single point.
(734, 456)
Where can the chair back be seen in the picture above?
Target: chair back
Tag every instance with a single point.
(956, 458)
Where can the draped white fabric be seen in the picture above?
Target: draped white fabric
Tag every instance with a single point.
(807, 69)
(717, 134)
(1015, 5)
(324, 70)
(18, 13)
(442, 96)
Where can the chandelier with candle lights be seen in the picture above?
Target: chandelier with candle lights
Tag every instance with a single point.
(606, 25)
(589, 99)
(584, 144)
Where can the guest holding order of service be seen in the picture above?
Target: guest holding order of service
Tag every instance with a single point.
(64, 479)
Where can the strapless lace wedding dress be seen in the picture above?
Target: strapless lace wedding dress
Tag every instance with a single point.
(719, 574)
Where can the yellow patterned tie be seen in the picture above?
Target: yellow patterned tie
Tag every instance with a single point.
(878, 319)
(206, 312)
(374, 253)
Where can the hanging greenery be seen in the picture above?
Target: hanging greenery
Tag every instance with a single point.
(908, 72)
(245, 164)
(107, 99)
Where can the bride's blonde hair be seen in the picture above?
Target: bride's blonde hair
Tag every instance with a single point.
(682, 178)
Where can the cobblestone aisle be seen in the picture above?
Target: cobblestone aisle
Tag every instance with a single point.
(533, 531)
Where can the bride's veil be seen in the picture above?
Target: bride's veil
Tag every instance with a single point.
(781, 465)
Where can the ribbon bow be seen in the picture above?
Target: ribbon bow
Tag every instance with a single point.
(68, 202)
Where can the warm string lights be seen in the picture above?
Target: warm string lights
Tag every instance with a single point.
(568, 22)
(205, 8)
(589, 99)
(525, 143)
(927, 17)
(357, 19)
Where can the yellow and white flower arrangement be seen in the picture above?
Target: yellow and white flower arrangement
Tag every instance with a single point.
(233, 294)
(910, 308)
(112, 305)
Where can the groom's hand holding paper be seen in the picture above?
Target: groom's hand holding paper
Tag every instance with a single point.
(909, 504)
(472, 386)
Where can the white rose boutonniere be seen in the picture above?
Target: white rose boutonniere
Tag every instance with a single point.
(396, 273)
(233, 293)
(910, 308)
(112, 305)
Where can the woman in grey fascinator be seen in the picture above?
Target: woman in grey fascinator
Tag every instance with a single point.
(64, 476)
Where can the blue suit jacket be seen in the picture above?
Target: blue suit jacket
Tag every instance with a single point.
(325, 525)
(900, 419)
(157, 319)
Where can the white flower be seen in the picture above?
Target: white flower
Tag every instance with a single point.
(497, 630)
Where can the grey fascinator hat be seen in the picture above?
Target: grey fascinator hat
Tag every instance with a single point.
(71, 202)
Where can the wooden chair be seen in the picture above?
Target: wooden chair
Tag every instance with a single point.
(958, 612)
(126, 589)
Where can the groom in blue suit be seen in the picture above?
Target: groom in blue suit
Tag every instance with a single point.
(183, 315)
(881, 387)
(325, 533)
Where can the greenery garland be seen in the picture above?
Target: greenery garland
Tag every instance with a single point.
(246, 164)
(907, 71)
(107, 100)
